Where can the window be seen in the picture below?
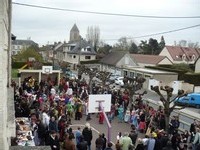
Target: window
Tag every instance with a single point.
(186, 98)
(125, 73)
(184, 57)
(87, 57)
(74, 56)
(193, 57)
(89, 49)
(132, 74)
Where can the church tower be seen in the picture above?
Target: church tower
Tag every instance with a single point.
(74, 34)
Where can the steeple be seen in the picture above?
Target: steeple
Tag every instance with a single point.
(74, 34)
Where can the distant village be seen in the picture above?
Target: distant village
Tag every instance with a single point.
(118, 61)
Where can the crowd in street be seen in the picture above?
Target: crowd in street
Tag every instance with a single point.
(51, 107)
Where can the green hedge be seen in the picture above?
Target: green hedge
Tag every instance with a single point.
(192, 78)
(90, 62)
(18, 65)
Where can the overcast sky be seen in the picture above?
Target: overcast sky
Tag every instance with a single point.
(46, 26)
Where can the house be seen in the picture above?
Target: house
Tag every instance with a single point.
(7, 109)
(179, 54)
(74, 52)
(46, 52)
(197, 65)
(158, 77)
(18, 45)
(115, 61)
(150, 60)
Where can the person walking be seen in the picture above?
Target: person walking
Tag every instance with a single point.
(78, 134)
(87, 134)
(120, 113)
(82, 145)
(99, 142)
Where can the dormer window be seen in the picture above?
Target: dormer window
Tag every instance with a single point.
(193, 57)
(183, 57)
(89, 49)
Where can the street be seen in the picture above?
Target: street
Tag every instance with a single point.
(102, 128)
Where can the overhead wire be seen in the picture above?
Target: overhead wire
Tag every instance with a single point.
(106, 13)
(123, 15)
(159, 33)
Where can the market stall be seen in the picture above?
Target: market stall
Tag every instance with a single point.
(23, 132)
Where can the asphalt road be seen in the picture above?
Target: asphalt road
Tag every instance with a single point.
(102, 128)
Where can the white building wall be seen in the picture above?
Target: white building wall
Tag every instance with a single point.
(197, 66)
(165, 52)
(165, 62)
(4, 49)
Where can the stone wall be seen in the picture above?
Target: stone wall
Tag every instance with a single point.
(5, 35)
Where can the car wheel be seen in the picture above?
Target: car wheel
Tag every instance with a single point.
(197, 106)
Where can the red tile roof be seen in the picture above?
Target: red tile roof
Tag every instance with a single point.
(147, 59)
(177, 52)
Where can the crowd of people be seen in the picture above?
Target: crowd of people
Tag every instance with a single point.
(51, 108)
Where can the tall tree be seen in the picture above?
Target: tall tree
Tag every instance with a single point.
(134, 48)
(123, 44)
(126, 44)
(30, 52)
(104, 49)
(193, 44)
(184, 43)
(144, 47)
(93, 36)
(152, 46)
(161, 44)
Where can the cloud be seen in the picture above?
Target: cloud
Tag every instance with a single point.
(51, 25)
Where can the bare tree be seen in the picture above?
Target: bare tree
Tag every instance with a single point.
(91, 72)
(93, 36)
(133, 85)
(184, 43)
(168, 102)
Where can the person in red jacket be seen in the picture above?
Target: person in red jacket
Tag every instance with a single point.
(101, 118)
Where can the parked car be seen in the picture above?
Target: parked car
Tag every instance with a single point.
(192, 99)
(113, 77)
(71, 75)
(119, 81)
